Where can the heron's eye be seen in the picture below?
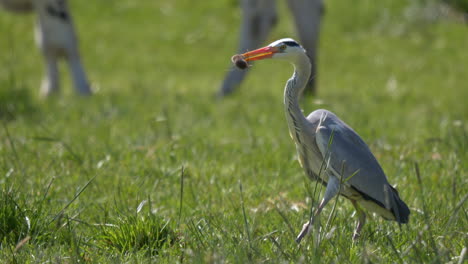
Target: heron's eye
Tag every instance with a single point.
(282, 47)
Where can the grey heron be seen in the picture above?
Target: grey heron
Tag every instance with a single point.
(329, 150)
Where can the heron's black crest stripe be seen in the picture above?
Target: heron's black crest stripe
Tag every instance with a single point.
(291, 43)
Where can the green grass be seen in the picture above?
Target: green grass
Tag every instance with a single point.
(153, 168)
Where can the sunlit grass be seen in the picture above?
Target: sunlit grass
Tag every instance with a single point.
(82, 166)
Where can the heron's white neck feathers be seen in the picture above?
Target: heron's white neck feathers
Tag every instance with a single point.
(292, 92)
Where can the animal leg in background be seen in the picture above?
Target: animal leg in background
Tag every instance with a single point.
(56, 37)
(307, 16)
(258, 18)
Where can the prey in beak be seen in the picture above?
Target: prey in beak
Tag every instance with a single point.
(240, 60)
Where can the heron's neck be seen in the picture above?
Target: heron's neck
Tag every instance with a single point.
(292, 92)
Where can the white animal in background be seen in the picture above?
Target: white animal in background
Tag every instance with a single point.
(259, 17)
(56, 37)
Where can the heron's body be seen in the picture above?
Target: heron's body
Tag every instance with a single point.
(329, 150)
(323, 124)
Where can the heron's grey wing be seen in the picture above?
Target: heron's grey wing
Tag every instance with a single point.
(348, 156)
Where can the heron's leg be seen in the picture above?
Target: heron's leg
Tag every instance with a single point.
(333, 187)
(361, 221)
(307, 16)
(258, 18)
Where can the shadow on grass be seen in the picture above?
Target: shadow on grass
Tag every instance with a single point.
(461, 5)
(27, 219)
(22, 218)
(15, 103)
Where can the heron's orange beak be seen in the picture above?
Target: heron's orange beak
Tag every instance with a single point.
(259, 54)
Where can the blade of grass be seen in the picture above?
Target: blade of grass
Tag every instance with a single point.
(72, 200)
(462, 256)
(394, 249)
(426, 218)
(75, 156)
(13, 148)
(332, 213)
(285, 219)
(246, 223)
(323, 166)
(273, 240)
(181, 198)
(456, 209)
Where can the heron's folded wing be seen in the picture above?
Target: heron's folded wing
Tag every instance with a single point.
(349, 158)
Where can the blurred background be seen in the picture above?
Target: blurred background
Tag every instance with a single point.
(395, 70)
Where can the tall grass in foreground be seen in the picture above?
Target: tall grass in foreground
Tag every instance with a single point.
(153, 169)
(138, 231)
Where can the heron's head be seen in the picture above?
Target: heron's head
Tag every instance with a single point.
(287, 49)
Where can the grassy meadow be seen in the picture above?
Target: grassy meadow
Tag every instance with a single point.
(153, 168)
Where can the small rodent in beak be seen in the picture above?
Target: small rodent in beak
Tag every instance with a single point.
(239, 61)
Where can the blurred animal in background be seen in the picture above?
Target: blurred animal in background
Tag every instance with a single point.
(56, 37)
(259, 17)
